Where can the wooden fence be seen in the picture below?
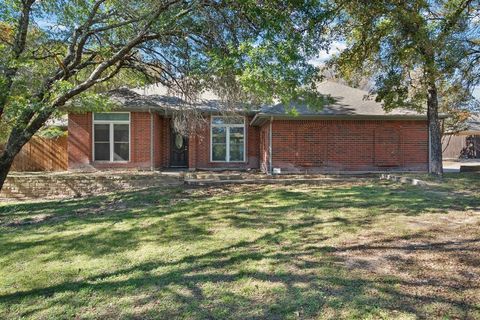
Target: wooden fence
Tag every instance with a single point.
(42, 154)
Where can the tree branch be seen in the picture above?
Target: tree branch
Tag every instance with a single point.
(453, 20)
(117, 57)
(18, 48)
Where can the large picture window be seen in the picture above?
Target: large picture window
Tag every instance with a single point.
(111, 137)
(227, 139)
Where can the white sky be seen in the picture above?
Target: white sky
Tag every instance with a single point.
(49, 24)
(323, 56)
(476, 93)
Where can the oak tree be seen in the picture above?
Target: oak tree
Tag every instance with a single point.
(57, 53)
(422, 54)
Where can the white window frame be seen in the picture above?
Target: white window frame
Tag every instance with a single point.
(111, 138)
(227, 132)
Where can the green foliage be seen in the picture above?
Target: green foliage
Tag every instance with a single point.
(90, 102)
(52, 132)
(61, 55)
(249, 51)
(406, 46)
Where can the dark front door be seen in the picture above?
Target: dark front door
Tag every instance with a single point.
(179, 150)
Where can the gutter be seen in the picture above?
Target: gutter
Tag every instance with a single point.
(254, 118)
(261, 118)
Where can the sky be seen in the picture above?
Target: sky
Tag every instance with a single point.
(324, 55)
(476, 93)
(49, 24)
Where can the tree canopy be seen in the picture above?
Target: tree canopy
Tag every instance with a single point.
(421, 54)
(57, 52)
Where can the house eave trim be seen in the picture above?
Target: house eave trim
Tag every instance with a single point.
(261, 118)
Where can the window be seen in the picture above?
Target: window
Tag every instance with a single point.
(227, 139)
(111, 137)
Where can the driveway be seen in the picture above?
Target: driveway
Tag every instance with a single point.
(454, 166)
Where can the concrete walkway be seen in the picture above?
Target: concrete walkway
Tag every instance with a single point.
(454, 166)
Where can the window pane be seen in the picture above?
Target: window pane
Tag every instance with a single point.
(236, 152)
(120, 132)
(102, 133)
(235, 120)
(236, 135)
(179, 141)
(102, 151)
(227, 120)
(120, 151)
(219, 152)
(236, 144)
(218, 120)
(106, 116)
(219, 135)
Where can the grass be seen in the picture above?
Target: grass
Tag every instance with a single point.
(370, 250)
(452, 181)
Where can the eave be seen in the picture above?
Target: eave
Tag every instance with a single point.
(261, 118)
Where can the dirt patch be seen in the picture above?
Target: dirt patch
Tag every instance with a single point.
(36, 219)
(438, 261)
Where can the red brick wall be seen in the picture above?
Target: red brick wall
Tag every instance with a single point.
(323, 145)
(162, 142)
(350, 145)
(79, 146)
(199, 154)
(80, 142)
(140, 139)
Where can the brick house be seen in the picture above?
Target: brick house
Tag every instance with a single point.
(351, 134)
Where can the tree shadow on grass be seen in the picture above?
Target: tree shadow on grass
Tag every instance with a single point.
(308, 287)
(385, 199)
(176, 216)
(284, 272)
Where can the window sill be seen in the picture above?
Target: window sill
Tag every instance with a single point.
(109, 162)
(228, 162)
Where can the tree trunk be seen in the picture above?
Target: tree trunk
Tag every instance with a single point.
(5, 164)
(17, 139)
(435, 132)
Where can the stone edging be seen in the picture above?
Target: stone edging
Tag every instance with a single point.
(71, 186)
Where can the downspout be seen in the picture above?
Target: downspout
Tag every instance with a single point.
(152, 144)
(270, 169)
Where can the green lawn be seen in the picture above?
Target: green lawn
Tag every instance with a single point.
(372, 249)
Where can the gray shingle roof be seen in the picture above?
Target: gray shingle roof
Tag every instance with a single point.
(130, 100)
(347, 101)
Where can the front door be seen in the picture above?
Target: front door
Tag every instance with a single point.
(179, 150)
